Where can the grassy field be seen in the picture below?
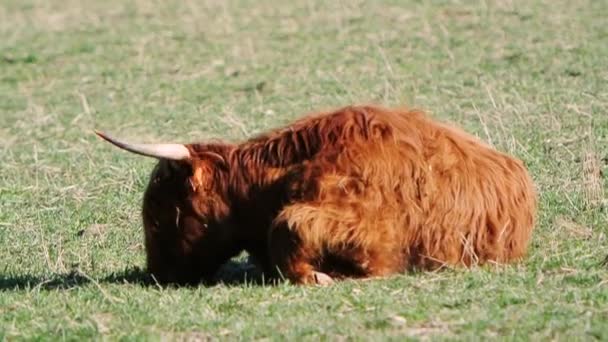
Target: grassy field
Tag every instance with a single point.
(530, 77)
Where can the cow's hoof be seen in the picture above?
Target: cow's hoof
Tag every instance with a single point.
(322, 279)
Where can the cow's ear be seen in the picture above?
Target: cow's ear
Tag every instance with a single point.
(216, 158)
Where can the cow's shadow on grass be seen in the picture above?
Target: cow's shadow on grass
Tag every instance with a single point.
(234, 273)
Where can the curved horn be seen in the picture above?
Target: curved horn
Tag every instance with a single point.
(161, 151)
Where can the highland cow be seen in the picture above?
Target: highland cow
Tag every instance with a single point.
(360, 191)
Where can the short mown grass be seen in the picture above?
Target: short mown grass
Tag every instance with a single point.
(530, 77)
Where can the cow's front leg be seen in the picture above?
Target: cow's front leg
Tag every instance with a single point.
(294, 257)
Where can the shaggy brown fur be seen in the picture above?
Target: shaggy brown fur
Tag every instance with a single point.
(361, 191)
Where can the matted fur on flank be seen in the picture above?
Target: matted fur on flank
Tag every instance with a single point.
(359, 191)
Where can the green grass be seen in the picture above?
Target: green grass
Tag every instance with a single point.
(531, 77)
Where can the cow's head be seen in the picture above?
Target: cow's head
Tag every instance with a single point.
(186, 211)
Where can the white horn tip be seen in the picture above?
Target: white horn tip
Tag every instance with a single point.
(163, 151)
